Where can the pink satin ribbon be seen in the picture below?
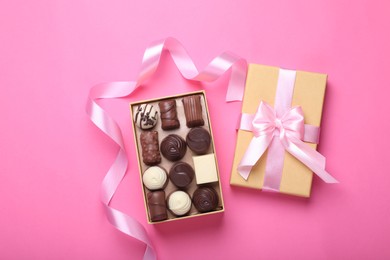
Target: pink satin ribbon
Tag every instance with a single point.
(104, 122)
(279, 130)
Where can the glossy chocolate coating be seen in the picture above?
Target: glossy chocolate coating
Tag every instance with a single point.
(198, 140)
(168, 114)
(181, 174)
(157, 206)
(150, 149)
(173, 147)
(205, 199)
(193, 110)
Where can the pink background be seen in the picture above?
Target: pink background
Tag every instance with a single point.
(53, 159)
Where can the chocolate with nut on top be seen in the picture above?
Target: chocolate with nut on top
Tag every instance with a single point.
(150, 149)
(168, 114)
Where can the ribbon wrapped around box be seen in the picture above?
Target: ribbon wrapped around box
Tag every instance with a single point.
(279, 131)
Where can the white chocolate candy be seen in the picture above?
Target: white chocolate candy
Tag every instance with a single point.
(179, 202)
(205, 168)
(145, 116)
(154, 178)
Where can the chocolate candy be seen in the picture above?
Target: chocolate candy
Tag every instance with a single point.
(173, 147)
(168, 114)
(181, 174)
(145, 116)
(179, 203)
(155, 178)
(150, 150)
(193, 110)
(205, 199)
(157, 206)
(198, 140)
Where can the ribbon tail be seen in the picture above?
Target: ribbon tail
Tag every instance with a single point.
(255, 150)
(308, 156)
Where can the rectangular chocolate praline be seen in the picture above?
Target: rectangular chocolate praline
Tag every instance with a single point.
(150, 148)
(168, 114)
(157, 206)
(193, 111)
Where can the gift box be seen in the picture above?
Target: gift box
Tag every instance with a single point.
(177, 164)
(264, 85)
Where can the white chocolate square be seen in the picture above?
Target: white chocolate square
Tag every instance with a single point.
(205, 168)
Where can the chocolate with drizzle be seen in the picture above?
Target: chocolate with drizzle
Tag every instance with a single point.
(145, 117)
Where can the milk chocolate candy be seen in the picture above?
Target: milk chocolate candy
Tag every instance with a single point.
(157, 206)
(168, 114)
(193, 110)
(150, 148)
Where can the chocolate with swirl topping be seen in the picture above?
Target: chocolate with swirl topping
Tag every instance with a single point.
(168, 114)
(173, 147)
(205, 199)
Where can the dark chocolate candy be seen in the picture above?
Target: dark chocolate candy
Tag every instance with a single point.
(181, 174)
(198, 140)
(205, 199)
(173, 147)
(157, 206)
(193, 110)
(168, 114)
(150, 149)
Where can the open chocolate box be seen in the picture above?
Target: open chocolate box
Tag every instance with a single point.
(176, 157)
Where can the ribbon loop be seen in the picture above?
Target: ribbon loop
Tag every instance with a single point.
(290, 128)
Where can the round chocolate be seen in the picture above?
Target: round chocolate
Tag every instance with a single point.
(181, 174)
(198, 140)
(205, 199)
(155, 178)
(173, 147)
(145, 116)
(179, 203)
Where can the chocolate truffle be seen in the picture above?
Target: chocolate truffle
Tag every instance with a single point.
(154, 178)
(168, 114)
(193, 110)
(181, 174)
(150, 149)
(179, 202)
(157, 206)
(173, 147)
(198, 140)
(145, 116)
(205, 199)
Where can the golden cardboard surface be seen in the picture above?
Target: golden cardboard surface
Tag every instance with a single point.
(309, 92)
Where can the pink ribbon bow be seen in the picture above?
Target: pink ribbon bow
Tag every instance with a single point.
(290, 130)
